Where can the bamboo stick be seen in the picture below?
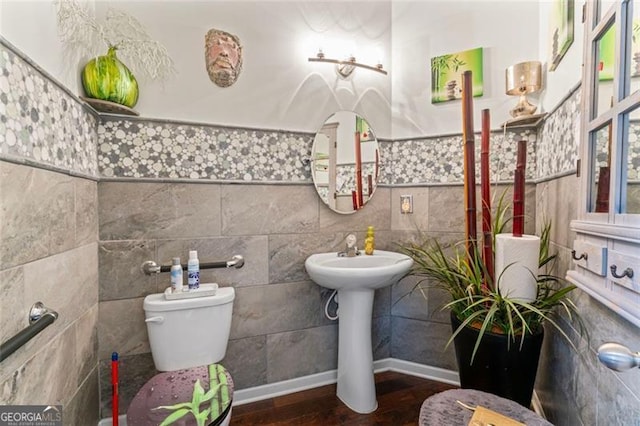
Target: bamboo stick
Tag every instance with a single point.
(469, 166)
(358, 156)
(485, 186)
(518, 190)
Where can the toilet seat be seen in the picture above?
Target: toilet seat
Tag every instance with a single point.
(174, 387)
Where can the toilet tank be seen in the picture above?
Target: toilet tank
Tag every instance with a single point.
(185, 333)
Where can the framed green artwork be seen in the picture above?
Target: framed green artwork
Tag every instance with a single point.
(446, 74)
(560, 31)
(607, 53)
(362, 126)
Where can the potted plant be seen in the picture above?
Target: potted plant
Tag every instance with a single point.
(497, 333)
(497, 338)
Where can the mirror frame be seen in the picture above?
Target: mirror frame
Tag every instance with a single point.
(345, 162)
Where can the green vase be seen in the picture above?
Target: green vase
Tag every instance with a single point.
(107, 78)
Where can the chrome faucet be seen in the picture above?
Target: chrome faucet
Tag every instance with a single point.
(351, 249)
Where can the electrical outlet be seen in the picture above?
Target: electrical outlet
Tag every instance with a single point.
(406, 204)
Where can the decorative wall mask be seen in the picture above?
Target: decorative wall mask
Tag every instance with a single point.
(223, 57)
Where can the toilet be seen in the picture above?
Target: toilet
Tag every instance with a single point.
(188, 335)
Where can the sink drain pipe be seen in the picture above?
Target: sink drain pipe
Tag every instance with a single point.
(334, 296)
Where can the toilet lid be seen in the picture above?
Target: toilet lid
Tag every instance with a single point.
(177, 394)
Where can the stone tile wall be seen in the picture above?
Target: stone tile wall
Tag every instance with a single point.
(48, 240)
(574, 387)
(50, 254)
(279, 330)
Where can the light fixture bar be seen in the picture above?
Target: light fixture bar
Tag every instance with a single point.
(345, 67)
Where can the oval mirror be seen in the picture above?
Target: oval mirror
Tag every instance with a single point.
(345, 162)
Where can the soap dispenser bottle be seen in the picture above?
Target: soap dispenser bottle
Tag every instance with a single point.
(369, 241)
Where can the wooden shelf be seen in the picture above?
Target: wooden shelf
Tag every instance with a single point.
(109, 107)
(526, 121)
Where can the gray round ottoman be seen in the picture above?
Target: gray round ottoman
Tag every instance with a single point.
(442, 409)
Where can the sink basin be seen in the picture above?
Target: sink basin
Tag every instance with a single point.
(379, 270)
(356, 279)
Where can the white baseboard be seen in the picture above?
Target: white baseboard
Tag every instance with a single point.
(271, 390)
(419, 370)
(284, 387)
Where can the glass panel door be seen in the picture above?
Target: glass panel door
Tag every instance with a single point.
(605, 71)
(631, 163)
(600, 176)
(633, 60)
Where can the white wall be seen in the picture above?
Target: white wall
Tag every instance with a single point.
(280, 89)
(30, 25)
(508, 32)
(557, 83)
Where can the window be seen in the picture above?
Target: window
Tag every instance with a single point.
(607, 246)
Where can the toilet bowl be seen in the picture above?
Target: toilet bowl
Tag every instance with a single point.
(188, 336)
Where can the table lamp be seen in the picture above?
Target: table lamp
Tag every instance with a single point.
(523, 78)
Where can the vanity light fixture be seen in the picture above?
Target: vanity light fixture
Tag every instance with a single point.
(520, 79)
(346, 67)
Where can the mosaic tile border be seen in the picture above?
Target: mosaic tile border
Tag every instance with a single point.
(557, 151)
(40, 122)
(45, 124)
(439, 160)
(166, 150)
(633, 153)
(346, 181)
(159, 149)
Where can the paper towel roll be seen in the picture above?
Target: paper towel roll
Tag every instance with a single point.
(517, 266)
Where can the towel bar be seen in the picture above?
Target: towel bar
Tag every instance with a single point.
(150, 267)
(40, 317)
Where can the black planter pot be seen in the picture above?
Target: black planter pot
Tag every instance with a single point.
(498, 368)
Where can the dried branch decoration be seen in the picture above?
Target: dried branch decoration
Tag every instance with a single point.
(78, 28)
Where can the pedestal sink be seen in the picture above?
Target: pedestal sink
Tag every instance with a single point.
(356, 279)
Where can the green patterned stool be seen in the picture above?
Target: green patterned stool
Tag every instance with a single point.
(198, 396)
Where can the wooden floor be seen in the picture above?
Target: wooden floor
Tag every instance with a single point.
(399, 399)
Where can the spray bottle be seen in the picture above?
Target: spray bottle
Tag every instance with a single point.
(176, 276)
(193, 270)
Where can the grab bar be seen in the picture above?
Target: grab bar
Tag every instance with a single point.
(150, 267)
(40, 317)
